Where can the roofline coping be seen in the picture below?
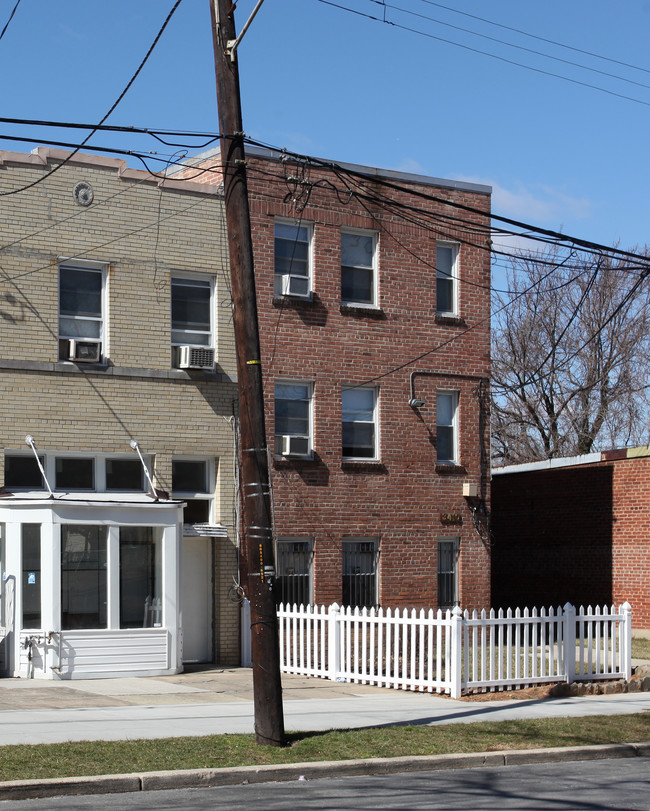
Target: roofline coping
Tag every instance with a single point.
(575, 461)
(389, 174)
(41, 155)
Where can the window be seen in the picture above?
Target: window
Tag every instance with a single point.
(83, 576)
(75, 473)
(360, 573)
(293, 565)
(99, 472)
(31, 542)
(140, 577)
(192, 482)
(447, 427)
(359, 410)
(81, 307)
(293, 419)
(447, 279)
(292, 259)
(358, 272)
(448, 572)
(23, 471)
(124, 474)
(191, 312)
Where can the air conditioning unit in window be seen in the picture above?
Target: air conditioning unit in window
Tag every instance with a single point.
(294, 446)
(295, 285)
(194, 357)
(82, 351)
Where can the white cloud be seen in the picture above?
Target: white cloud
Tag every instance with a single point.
(537, 204)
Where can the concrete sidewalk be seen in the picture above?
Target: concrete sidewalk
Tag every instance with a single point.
(215, 701)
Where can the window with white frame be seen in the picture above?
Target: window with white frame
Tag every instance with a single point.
(359, 415)
(81, 311)
(293, 563)
(140, 577)
(292, 253)
(193, 482)
(358, 267)
(447, 427)
(447, 279)
(83, 576)
(360, 564)
(191, 312)
(293, 409)
(448, 553)
(69, 472)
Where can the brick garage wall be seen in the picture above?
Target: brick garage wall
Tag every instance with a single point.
(399, 500)
(577, 534)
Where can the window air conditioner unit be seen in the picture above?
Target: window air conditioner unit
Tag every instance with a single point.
(294, 446)
(195, 357)
(82, 351)
(295, 285)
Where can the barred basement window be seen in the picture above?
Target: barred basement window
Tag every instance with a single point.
(360, 559)
(293, 563)
(448, 551)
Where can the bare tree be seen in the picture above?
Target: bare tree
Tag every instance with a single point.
(570, 352)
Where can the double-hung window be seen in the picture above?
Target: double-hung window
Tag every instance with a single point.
(293, 558)
(359, 413)
(293, 406)
(360, 557)
(81, 312)
(192, 323)
(292, 259)
(447, 427)
(358, 268)
(447, 279)
(193, 482)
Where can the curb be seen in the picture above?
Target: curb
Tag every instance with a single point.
(204, 778)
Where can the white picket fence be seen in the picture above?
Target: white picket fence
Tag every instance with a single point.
(452, 651)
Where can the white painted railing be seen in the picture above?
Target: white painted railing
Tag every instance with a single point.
(453, 651)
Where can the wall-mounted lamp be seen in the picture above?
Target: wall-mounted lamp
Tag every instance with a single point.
(416, 402)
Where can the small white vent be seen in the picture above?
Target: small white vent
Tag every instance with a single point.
(294, 446)
(295, 285)
(195, 357)
(81, 351)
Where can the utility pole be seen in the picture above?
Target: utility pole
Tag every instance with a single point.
(257, 531)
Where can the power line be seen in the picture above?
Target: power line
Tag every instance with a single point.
(119, 99)
(447, 41)
(11, 16)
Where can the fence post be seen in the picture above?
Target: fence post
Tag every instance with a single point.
(569, 643)
(456, 664)
(626, 641)
(333, 642)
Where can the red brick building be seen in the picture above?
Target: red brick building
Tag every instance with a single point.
(373, 292)
(575, 530)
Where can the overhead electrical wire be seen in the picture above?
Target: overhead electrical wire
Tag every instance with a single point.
(11, 16)
(111, 110)
(504, 59)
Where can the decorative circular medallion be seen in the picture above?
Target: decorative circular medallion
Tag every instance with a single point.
(83, 194)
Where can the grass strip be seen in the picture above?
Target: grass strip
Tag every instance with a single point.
(122, 757)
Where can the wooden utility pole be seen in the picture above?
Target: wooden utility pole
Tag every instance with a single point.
(257, 531)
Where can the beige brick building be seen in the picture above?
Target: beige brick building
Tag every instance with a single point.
(115, 329)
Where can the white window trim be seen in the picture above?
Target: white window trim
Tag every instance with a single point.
(277, 291)
(200, 495)
(455, 265)
(373, 304)
(310, 416)
(454, 425)
(103, 268)
(375, 422)
(193, 277)
(99, 469)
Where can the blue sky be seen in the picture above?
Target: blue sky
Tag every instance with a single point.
(324, 81)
